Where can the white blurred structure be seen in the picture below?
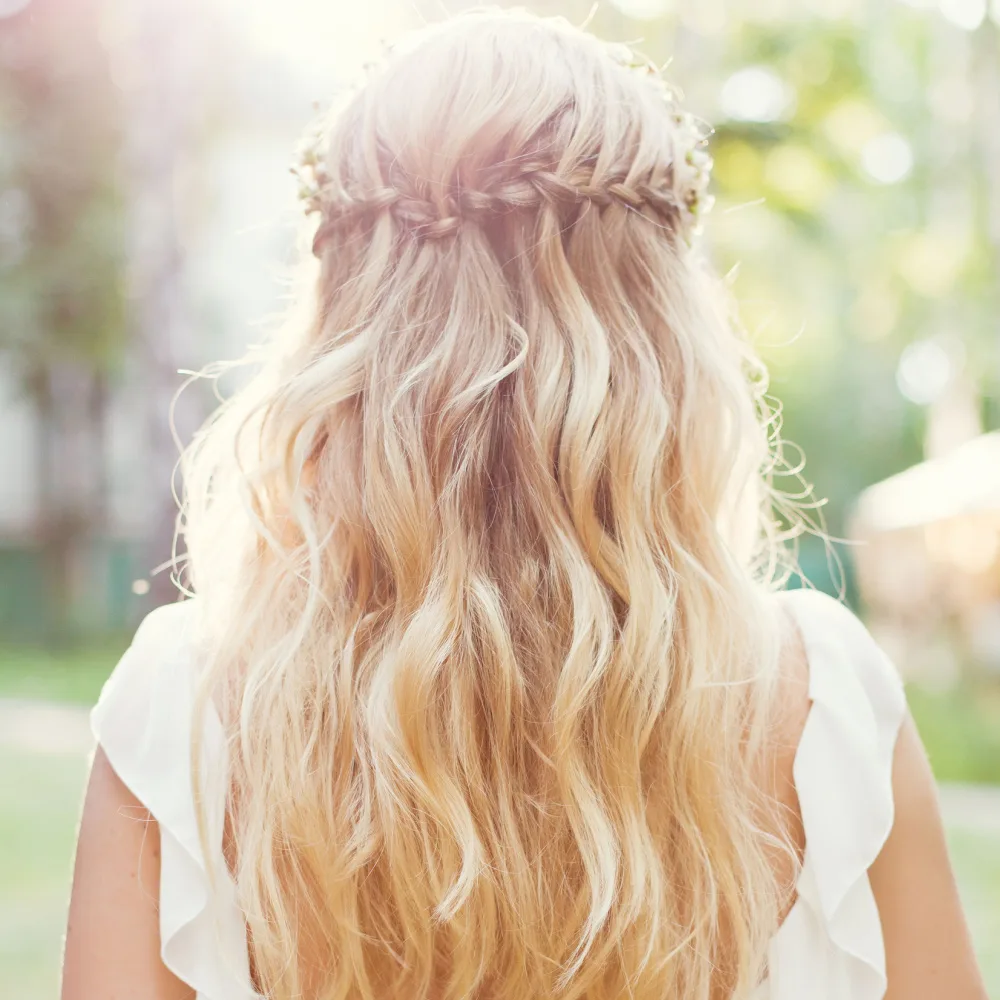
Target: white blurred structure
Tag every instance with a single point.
(965, 481)
(928, 560)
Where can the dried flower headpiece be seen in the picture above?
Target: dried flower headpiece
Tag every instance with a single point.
(684, 198)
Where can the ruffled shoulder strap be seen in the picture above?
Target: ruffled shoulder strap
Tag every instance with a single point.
(831, 946)
(143, 720)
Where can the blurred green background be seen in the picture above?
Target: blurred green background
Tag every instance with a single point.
(147, 214)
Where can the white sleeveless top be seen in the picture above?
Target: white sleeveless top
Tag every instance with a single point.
(828, 948)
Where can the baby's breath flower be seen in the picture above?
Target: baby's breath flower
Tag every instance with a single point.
(692, 169)
(692, 164)
(310, 170)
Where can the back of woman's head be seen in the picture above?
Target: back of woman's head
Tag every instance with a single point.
(477, 551)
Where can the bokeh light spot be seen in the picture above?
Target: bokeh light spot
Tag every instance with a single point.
(757, 94)
(643, 10)
(966, 14)
(930, 261)
(924, 371)
(852, 123)
(887, 158)
(799, 175)
(876, 311)
(739, 166)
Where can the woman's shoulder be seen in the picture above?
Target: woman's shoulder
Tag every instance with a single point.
(848, 703)
(819, 614)
(832, 668)
(841, 655)
(143, 716)
(145, 722)
(168, 626)
(162, 640)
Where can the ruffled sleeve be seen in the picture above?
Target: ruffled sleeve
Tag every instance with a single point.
(830, 946)
(143, 721)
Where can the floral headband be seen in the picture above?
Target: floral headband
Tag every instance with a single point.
(684, 198)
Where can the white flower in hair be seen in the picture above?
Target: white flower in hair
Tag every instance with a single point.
(692, 170)
(692, 165)
(310, 169)
(689, 173)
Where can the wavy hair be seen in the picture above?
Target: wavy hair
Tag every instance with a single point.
(484, 551)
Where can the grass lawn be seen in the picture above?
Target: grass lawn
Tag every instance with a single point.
(40, 798)
(961, 730)
(72, 675)
(976, 858)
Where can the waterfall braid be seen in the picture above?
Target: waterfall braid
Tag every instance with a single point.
(480, 552)
(534, 187)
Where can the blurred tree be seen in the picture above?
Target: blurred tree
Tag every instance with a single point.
(61, 264)
(858, 169)
(874, 167)
(162, 48)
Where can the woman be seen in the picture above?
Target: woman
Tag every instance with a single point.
(487, 689)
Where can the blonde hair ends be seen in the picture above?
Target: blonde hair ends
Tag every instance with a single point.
(481, 553)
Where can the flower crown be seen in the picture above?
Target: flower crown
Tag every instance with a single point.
(684, 198)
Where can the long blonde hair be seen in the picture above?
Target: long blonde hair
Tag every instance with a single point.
(482, 554)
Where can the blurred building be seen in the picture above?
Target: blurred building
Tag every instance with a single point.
(205, 124)
(927, 557)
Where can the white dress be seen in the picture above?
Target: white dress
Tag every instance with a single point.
(828, 948)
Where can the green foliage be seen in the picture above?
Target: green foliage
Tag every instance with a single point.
(835, 272)
(62, 242)
(851, 270)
